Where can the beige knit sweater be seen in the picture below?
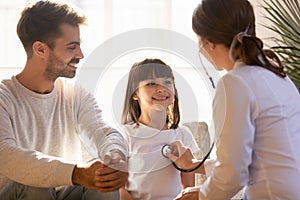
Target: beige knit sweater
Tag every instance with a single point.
(41, 134)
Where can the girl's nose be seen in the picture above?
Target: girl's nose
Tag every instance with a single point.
(160, 88)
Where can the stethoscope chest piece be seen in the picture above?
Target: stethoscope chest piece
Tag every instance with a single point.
(164, 150)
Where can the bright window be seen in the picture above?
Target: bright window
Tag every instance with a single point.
(110, 20)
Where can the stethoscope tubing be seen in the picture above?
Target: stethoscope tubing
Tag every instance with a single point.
(163, 151)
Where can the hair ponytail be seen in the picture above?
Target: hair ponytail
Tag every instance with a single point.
(249, 49)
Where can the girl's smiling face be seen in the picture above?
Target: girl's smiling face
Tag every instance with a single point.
(155, 91)
(151, 95)
(154, 95)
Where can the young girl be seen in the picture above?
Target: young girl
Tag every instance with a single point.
(151, 117)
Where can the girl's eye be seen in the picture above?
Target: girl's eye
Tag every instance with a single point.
(168, 82)
(151, 84)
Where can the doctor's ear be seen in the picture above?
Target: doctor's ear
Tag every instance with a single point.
(211, 46)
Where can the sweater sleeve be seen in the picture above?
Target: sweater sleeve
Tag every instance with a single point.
(27, 166)
(234, 125)
(97, 136)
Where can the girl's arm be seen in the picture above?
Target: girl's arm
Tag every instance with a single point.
(124, 194)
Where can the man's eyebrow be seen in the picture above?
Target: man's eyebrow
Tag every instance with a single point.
(74, 42)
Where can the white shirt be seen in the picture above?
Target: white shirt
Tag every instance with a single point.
(257, 123)
(152, 176)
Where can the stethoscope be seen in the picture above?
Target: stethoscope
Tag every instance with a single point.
(166, 148)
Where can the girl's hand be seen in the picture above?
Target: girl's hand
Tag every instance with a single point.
(190, 193)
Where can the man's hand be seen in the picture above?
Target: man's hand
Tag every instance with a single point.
(103, 177)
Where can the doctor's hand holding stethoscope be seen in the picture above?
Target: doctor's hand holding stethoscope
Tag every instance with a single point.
(184, 160)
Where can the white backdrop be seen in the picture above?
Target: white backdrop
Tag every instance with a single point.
(109, 18)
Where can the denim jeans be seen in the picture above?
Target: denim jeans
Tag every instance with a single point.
(16, 191)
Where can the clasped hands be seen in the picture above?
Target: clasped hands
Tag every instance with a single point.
(106, 176)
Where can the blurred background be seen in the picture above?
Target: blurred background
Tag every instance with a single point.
(110, 18)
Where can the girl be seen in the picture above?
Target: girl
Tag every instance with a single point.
(256, 109)
(151, 118)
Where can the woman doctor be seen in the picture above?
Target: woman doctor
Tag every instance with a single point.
(256, 110)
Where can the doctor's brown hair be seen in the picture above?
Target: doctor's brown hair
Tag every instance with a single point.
(232, 23)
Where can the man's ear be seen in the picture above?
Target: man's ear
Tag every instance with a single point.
(40, 48)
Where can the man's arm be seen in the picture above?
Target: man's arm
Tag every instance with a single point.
(103, 142)
(26, 166)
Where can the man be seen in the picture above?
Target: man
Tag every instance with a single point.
(44, 119)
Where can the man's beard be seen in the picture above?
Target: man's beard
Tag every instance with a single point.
(58, 68)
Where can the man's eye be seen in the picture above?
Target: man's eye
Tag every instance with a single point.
(72, 47)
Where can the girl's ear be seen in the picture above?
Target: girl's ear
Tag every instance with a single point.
(135, 97)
